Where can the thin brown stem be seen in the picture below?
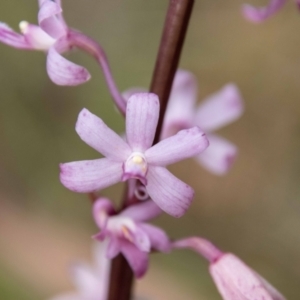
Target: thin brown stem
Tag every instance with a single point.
(177, 19)
(175, 29)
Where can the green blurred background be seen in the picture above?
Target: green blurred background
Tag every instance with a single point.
(254, 211)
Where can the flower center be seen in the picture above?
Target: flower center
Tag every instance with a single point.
(135, 167)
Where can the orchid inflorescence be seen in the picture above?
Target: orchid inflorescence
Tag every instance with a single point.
(187, 131)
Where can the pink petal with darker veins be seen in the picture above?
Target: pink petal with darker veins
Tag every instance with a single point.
(62, 71)
(142, 114)
(11, 38)
(170, 193)
(93, 131)
(186, 143)
(90, 175)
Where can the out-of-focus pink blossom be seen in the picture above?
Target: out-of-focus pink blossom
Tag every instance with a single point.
(52, 36)
(216, 111)
(128, 233)
(135, 158)
(233, 278)
(260, 14)
(91, 281)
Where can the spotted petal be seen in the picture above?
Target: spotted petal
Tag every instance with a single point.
(62, 71)
(90, 175)
(171, 194)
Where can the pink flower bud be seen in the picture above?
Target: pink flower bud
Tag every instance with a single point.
(236, 281)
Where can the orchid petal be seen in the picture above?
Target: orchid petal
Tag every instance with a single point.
(142, 212)
(141, 239)
(93, 131)
(260, 14)
(36, 37)
(235, 280)
(171, 194)
(62, 71)
(138, 260)
(158, 238)
(180, 109)
(49, 20)
(220, 109)
(135, 90)
(219, 156)
(114, 247)
(90, 175)
(186, 143)
(142, 114)
(102, 208)
(11, 38)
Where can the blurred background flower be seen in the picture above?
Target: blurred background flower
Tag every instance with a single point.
(253, 211)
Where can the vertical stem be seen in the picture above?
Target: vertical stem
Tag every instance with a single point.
(177, 19)
(175, 29)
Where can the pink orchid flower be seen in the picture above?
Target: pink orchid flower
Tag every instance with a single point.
(128, 233)
(135, 158)
(260, 14)
(91, 281)
(233, 278)
(214, 112)
(52, 36)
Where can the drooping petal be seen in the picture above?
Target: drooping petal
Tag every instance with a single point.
(219, 156)
(220, 109)
(90, 175)
(102, 208)
(49, 20)
(186, 143)
(260, 14)
(137, 259)
(235, 280)
(142, 212)
(62, 71)
(158, 238)
(11, 38)
(36, 37)
(171, 194)
(93, 131)
(142, 114)
(180, 109)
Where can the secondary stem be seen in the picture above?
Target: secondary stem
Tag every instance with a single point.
(176, 23)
